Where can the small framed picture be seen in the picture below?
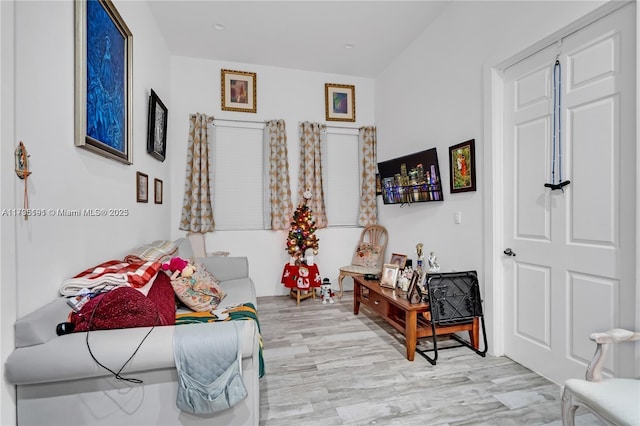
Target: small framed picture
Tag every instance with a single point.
(462, 166)
(157, 191)
(414, 295)
(398, 259)
(238, 91)
(157, 127)
(389, 275)
(340, 102)
(142, 187)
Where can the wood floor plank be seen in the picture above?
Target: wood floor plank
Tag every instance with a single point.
(327, 366)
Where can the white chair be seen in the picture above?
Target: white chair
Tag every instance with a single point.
(369, 255)
(614, 401)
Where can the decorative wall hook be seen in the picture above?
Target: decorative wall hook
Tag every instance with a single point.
(22, 170)
(22, 161)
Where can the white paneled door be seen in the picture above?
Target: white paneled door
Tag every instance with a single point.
(571, 264)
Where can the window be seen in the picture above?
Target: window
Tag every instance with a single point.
(238, 182)
(341, 177)
(237, 177)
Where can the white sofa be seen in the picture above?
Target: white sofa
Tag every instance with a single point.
(58, 383)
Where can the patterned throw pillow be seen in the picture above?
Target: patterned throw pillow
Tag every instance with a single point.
(199, 292)
(366, 255)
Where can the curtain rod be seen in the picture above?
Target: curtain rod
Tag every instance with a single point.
(263, 122)
(239, 121)
(343, 127)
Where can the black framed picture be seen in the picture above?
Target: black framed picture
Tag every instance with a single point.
(142, 187)
(157, 132)
(157, 191)
(462, 164)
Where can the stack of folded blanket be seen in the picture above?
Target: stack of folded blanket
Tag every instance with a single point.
(137, 270)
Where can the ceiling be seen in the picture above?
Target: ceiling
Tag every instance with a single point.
(304, 35)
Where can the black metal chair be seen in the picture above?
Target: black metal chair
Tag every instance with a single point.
(454, 300)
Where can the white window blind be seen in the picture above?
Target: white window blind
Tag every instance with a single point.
(237, 178)
(341, 176)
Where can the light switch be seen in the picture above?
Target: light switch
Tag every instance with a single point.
(457, 217)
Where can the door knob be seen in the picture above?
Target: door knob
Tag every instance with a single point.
(509, 252)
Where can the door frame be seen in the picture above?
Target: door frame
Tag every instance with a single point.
(493, 120)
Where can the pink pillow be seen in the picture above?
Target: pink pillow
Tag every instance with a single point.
(366, 255)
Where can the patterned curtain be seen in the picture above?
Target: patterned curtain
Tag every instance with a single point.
(310, 175)
(278, 207)
(367, 141)
(197, 213)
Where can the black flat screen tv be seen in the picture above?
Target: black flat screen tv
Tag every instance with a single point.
(413, 178)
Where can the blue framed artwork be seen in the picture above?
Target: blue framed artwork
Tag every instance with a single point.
(340, 102)
(103, 75)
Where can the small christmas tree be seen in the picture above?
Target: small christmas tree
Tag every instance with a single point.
(302, 231)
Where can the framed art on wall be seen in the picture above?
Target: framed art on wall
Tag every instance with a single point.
(103, 80)
(157, 127)
(142, 187)
(340, 102)
(157, 191)
(462, 166)
(238, 91)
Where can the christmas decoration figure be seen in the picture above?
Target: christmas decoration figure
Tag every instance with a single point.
(302, 232)
(326, 292)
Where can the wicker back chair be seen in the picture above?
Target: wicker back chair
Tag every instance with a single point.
(369, 254)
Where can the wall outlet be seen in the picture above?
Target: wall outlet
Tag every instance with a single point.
(457, 217)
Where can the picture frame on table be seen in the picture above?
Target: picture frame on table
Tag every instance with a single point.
(238, 91)
(414, 295)
(340, 102)
(103, 81)
(157, 127)
(142, 187)
(398, 259)
(157, 191)
(462, 166)
(389, 275)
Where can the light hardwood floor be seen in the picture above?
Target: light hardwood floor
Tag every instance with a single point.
(327, 366)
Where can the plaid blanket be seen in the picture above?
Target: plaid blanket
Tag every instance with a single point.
(111, 273)
(246, 311)
(157, 251)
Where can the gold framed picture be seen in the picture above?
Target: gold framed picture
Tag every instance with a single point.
(238, 91)
(142, 187)
(389, 275)
(399, 259)
(340, 102)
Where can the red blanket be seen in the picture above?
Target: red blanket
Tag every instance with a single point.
(126, 307)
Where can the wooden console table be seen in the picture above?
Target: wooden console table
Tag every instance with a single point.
(412, 320)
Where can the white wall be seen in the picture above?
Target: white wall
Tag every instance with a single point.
(37, 83)
(51, 249)
(7, 237)
(287, 94)
(431, 96)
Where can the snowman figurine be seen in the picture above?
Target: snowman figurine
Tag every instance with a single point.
(326, 292)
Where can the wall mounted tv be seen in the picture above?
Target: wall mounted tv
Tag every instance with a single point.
(412, 178)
